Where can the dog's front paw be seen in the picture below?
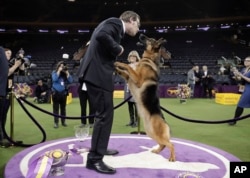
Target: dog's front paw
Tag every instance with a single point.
(120, 65)
(118, 71)
(117, 64)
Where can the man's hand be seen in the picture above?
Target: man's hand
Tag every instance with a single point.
(18, 63)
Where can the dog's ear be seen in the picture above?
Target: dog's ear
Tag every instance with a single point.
(162, 41)
(143, 38)
(140, 44)
(142, 41)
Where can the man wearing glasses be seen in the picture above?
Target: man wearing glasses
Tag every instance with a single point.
(96, 71)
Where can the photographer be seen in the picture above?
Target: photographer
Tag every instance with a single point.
(16, 65)
(8, 84)
(60, 79)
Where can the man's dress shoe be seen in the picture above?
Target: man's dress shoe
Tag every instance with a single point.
(111, 152)
(4, 144)
(100, 167)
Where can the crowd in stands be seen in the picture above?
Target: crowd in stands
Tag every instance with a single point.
(202, 48)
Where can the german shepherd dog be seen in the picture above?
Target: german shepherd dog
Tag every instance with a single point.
(143, 84)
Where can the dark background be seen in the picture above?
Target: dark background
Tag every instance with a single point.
(82, 13)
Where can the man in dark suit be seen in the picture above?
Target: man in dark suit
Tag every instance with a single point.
(207, 82)
(96, 72)
(4, 68)
(7, 70)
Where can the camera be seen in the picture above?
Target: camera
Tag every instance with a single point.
(65, 68)
(63, 73)
(13, 60)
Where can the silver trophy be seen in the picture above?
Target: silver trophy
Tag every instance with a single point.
(59, 160)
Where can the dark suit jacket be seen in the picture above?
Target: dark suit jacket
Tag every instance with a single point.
(97, 65)
(208, 80)
(4, 69)
(40, 89)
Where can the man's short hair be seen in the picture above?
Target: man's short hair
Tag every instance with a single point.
(127, 15)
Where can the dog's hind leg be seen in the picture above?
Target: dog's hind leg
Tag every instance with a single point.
(172, 151)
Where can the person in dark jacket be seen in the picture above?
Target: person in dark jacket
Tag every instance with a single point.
(207, 82)
(133, 59)
(96, 70)
(3, 92)
(6, 85)
(42, 92)
(244, 101)
(84, 99)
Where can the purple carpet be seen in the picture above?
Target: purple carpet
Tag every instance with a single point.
(193, 160)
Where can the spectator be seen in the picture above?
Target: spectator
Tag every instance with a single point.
(244, 101)
(197, 74)
(96, 70)
(207, 82)
(133, 59)
(222, 70)
(84, 97)
(42, 92)
(22, 68)
(165, 58)
(60, 79)
(191, 80)
(232, 77)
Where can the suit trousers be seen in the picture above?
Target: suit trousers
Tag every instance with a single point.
(132, 112)
(207, 88)
(104, 111)
(59, 101)
(84, 100)
(4, 108)
(2, 102)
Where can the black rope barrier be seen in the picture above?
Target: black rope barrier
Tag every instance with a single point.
(20, 99)
(52, 114)
(122, 103)
(68, 117)
(205, 121)
(34, 120)
(18, 143)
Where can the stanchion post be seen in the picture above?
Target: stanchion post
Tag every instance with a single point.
(11, 95)
(139, 128)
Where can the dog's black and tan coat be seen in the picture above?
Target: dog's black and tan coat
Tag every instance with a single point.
(143, 84)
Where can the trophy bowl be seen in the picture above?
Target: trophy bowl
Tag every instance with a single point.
(60, 158)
